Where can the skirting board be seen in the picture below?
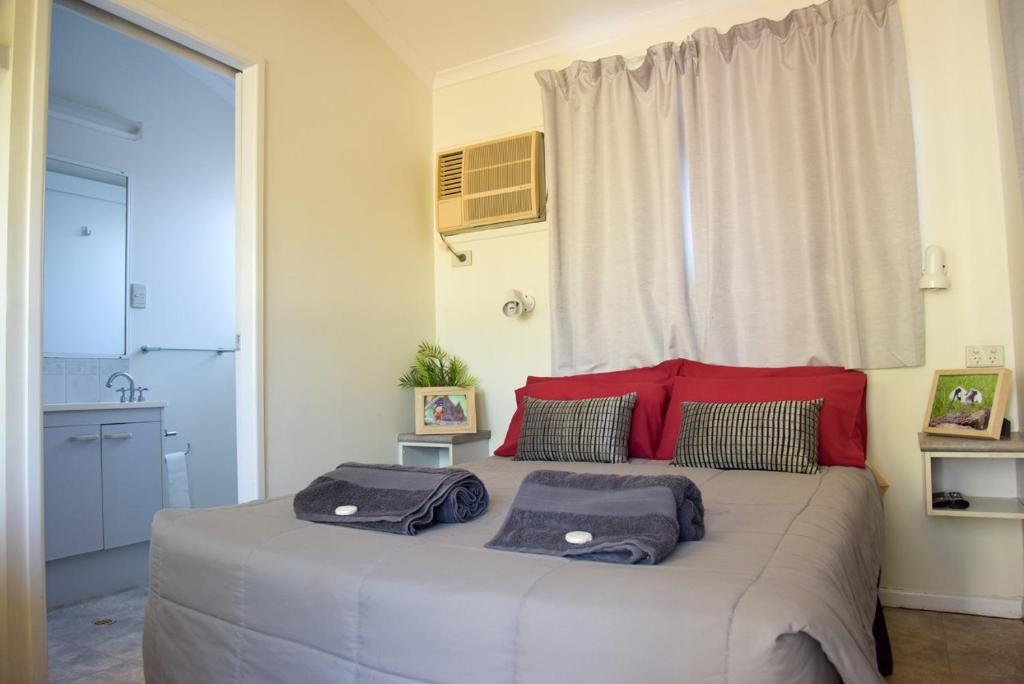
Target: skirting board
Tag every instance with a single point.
(942, 603)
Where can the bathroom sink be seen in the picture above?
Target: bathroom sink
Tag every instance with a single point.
(102, 405)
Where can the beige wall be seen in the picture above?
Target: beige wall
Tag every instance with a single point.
(347, 239)
(964, 207)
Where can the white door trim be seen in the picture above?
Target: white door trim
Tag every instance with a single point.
(22, 568)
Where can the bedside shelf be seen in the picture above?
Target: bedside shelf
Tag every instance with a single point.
(985, 507)
(989, 473)
(442, 451)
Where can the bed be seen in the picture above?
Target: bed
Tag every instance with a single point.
(782, 589)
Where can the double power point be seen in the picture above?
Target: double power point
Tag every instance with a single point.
(985, 356)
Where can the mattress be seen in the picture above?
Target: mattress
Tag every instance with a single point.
(782, 589)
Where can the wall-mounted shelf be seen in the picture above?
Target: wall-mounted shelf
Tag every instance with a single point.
(989, 473)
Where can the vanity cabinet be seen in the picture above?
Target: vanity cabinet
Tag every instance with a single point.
(133, 489)
(73, 490)
(103, 477)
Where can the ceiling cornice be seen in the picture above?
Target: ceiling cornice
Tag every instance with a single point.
(572, 43)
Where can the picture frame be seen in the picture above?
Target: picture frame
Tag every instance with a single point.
(968, 402)
(445, 410)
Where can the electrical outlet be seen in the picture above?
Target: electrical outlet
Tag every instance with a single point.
(994, 355)
(467, 262)
(985, 356)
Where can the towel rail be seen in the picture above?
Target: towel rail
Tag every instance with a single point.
(220, 350)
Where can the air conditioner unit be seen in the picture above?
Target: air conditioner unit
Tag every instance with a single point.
(491, 184)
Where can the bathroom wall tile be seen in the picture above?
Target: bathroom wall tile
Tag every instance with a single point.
(53, 381)
(83, 366)
(108, 366)
(83, 388)
(54, 366)
(83, 380)
(53, 389)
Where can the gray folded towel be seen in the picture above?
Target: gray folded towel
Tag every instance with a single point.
(632, 518)
(391, 498)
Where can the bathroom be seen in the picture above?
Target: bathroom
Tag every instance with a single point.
(139, 307)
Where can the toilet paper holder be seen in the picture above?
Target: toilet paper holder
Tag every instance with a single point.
(174, 433)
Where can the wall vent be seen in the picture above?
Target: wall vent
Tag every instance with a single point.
(491, 184)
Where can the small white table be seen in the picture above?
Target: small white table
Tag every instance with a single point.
(988, 472)
(442, 451)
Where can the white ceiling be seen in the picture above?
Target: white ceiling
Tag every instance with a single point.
(447, 41)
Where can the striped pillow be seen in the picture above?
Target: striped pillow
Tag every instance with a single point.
(587, 430)
(770, 435)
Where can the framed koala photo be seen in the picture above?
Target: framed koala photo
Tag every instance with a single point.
(968, 402)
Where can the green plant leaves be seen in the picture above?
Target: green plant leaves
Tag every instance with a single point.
(434, 367)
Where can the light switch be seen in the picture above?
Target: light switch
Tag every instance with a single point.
(138, 296)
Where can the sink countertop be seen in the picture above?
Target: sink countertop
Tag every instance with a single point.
(102, 406)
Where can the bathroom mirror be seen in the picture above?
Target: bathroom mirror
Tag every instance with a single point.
(85, 247)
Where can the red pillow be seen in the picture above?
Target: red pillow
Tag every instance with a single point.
(648, 413)
(663, 372)
(840, 441)
(696, 369)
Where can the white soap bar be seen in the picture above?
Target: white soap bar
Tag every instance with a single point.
(578, 537)
(345, 510)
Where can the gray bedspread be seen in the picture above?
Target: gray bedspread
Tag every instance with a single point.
(781, 589)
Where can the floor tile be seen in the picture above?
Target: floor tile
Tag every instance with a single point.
(909, 675)
(978, 650)
(985, 646)
(81, 651)
(126, 673)
(918, 641)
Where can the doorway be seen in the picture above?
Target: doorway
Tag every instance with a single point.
(138, 323)
(23, 417)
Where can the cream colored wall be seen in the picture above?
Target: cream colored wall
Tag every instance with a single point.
(964, 208)
(348, 276)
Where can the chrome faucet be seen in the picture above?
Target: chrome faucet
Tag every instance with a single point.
(122, 390)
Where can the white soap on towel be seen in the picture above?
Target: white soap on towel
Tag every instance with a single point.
(579, 537)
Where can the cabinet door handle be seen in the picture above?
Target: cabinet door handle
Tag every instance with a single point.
(118, 435)
(83, 438)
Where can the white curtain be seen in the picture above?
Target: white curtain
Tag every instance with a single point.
(746, 197)
(1012, 14)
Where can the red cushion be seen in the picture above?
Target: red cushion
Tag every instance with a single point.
(840, 441)
(709, 370)
(696, 369)
(648, 413)
(663, 372)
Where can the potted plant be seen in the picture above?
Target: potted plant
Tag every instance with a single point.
(445, 401)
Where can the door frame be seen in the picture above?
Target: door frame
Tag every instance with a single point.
(22, 566)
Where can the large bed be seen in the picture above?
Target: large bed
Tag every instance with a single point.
(781, 589)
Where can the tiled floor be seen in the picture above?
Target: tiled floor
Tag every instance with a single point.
(85, 653)
(928, 648)
(940, 648)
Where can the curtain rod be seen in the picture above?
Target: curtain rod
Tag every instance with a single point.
(145, 35)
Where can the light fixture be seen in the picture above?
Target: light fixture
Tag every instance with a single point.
(516, 304)
(934, 272)
(96, 119)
